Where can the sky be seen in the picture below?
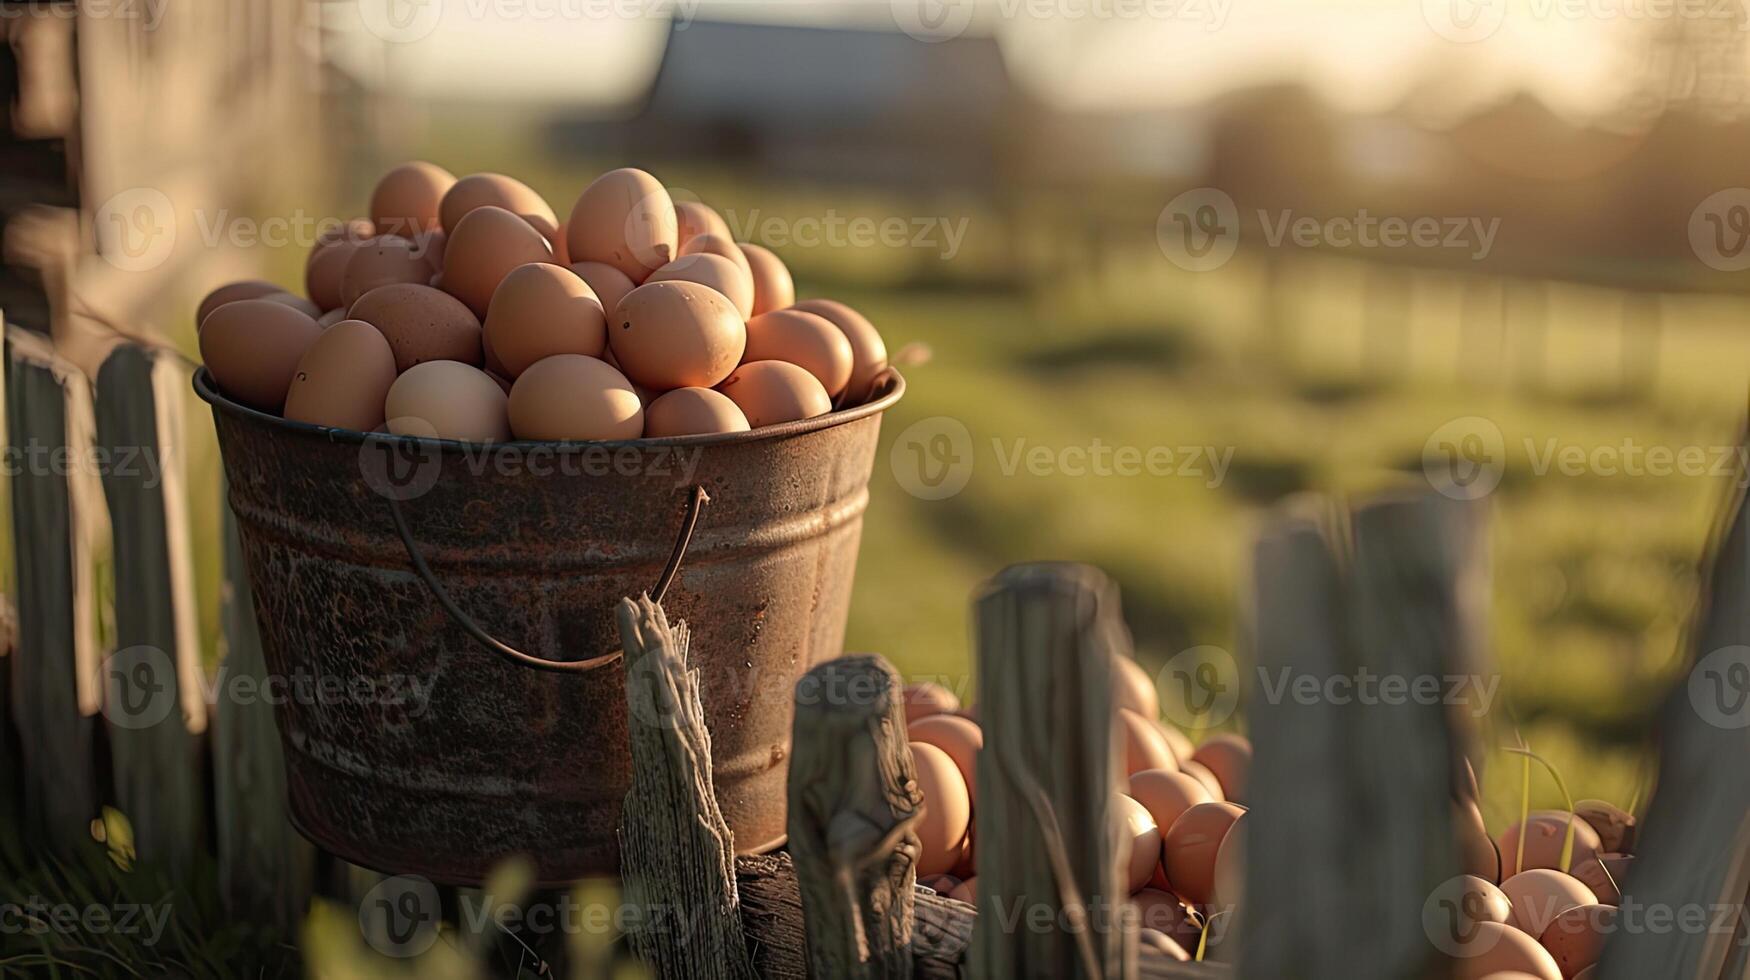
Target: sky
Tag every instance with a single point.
(1361, 55)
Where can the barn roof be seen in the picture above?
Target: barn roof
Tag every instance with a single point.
(813, 75)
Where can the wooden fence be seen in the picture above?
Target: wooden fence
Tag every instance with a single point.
(1354, 805)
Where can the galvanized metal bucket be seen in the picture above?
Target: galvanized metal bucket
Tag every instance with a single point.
(410, 747)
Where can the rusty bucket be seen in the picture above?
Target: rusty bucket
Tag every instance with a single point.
(412, 746)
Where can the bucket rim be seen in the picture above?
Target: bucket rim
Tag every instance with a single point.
(891, 390)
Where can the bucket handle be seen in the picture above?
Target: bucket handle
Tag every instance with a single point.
(695, 504)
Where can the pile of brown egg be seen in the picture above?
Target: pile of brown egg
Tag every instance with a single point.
(1185, 808)
(464, 309)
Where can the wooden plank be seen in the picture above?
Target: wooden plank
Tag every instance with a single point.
(1049, 847)
(158, 767)
(55, 735)
(1299, 812)
(266, 870)
(1415, 562)
(1693, 848)
(854, 804)
(677, 856)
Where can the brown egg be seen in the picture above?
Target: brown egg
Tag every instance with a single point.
(231, 292)
(332, 317)
(773, 289)
(343, 379)
(351, 230)
(947, 809)
(382, 262)
(540, 310)
(447, 400)
(1543, 845)
(1192, 844)
(554, 234)
(421, 323)
(722, 247)
(1490, 948)
(677, 335)
(803, 339)
(923, 700)
(1230, 868)
(1464, 900)
(1144, 747)
(1615, 826)
(1229, 757)
(714, 271)
(691, 412)
(1164, 913)
(296, 302)
(488, 356)
(1576, 937)
(492, 190)
(1167, 793)
(1540, 894)
(966, 868)
(609, 283)
(1131, 686)
(252, 347)
(1176, 740)
(770, 392)
(325, 273)
(966, 891)
(574, 397)
(1605, 875)
(961, 739)
(1144, 837)
(485, 246)
(1590, 973)
(406, 200)
(693, 218)
(1477, 854)
(1200, 772)
(429, 245)
(1163, 944)
(868, 351)
(626, 219)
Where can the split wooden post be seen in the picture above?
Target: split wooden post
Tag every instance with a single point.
(1693, 850)
(854, 802)
(1298, 809)
(1051, 897)
(677, 856)
(1411, 602)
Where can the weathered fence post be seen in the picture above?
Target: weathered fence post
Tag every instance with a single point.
(153, 679)
(677, 855)
(1046, 835)
(56, 692)
(853, 804)
(1414, 571)
(1693, 850)
(1298, 811)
